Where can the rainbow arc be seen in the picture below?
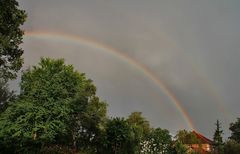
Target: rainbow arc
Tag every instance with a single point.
(124, 57)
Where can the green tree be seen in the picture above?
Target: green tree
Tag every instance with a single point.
(118, 137)
(5, 95)
(90, 125)
(137, 119)
(56, 105)
(217, 139)
(235, 128)
(231, 147)
(140, 127)
(159, 141)
(181, 136)
(11, 18)
(186, 137)
(180, 148)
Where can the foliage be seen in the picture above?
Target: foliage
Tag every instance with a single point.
(55, 106)
(235, 128)
(138, 120)
(58, 111)
(217, 139)
(140, 127)
(118, 137)
(187, 137)
(159, 141)
(90, 125)
(11, 18)
(180, 148)
(5, 95)
(231, 147)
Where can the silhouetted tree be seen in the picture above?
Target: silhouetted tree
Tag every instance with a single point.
(235, 128)
(231, 147)
(217, 139)
(11, 18)
(119, 137)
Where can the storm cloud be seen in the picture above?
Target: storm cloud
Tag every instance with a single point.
(192, 46)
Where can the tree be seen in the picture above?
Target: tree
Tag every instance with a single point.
(235, 128)
(137, 119)
(11, 18)
(56, 105)
(140, 127)
(90, 125)
(159, 141)
(118, 137)
(217, 139)
(186, 137)
(180, 148)
(231, 147)
(5, 95)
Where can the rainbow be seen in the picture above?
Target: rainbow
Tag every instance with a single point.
(211, 90)
(146, 71)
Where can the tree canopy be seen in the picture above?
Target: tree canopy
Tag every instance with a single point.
(55, 102)
(186, 137)
(140, 127)
(11, 18)
(5, 95)
(231, 147)
(118, 136)
(136, 119)
(158, 141)
(235, 128)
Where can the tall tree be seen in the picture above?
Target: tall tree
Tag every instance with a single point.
(89, 126)
(140, 127)
(56, 105)
(235, 128)
(11, 18)
(217, 139)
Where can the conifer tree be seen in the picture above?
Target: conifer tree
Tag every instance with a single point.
(217, 139)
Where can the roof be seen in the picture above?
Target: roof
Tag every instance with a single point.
(202, 138)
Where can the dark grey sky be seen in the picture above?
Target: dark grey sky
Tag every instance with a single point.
(191, 45)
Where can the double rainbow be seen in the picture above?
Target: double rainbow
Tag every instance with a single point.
(124, 57)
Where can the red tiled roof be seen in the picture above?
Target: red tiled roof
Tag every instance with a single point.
(202, 138)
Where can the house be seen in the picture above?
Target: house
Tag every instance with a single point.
(204, 145)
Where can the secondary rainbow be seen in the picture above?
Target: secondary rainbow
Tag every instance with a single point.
(146, 71)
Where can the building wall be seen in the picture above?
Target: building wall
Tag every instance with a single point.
(202, 148)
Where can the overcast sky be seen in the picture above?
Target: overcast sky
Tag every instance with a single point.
(192, 46)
